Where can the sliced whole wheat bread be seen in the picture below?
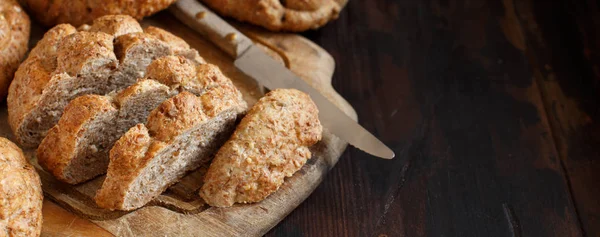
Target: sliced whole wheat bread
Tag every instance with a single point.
(77, 148)
(180, 135)
(68, 63)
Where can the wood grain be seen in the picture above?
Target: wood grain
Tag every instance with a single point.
(563, 48)
(491, 107)
(60, 222)
(449, 85)
(173, 214)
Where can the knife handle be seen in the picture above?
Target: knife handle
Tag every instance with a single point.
(198, 17)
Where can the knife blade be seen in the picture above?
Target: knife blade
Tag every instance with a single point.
(255, 63)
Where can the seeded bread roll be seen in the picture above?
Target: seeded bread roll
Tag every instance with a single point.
(77, 148)
(21, 194)
(14, 36)
(78, 12)
(276, 15)
(68, 63)
(269, 144)
(179, 136)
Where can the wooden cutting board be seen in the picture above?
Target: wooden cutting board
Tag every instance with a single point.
(180, 211)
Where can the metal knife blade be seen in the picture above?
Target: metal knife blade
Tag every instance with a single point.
(257, 64)
(254, 62)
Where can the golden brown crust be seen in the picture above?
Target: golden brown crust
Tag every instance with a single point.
(128, 48)
(179, 46)
(171, 70)
(33, 75)
(133, 152)
(174, 41)
(62, 138)
(179, 72)
(86, 53)
(270, 143)
(142, 85)
(184, 111)
(291, 15)
(21, 193)
(62, 145)
(65, 53)
(78, 12)
(46, 49)
(14, 36)
(115, 25)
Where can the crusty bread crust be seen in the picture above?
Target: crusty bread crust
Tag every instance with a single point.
(179, 46)
(276, 15)
(154, 146)
(269, 144)
(65, 151)
(78, 12)
(14, 36)
(62, 139)
(21, 193)
(72, 156)
(68, 63)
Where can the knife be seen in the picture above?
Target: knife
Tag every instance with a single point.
(255, 63)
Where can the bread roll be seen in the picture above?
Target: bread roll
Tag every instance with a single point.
(78, 12)
(21, 195)
(276, 15)
(14, 36)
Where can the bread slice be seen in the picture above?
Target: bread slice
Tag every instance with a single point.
(77, 148)
(179, 136)
(269, 144)
(21, 192)
(68, 63)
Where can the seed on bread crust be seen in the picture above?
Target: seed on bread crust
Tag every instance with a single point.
(67, 63)
(78, 12)
(21, 192)
(276, 15)
(269, 144)
(14, 36)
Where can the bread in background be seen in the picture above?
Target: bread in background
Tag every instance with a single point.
(14, 36)
(276, 15)
(78, 12)
(21, 193)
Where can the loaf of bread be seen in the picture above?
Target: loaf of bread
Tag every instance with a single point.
(180, 135)
(77, 148)
(109, 55)
(78, 12)
(276, 15)
(14, 36)
(269, 144)
(20, 193)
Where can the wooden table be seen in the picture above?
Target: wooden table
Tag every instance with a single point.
(491, 107)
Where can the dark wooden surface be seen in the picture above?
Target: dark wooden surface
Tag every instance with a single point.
(491, 107)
